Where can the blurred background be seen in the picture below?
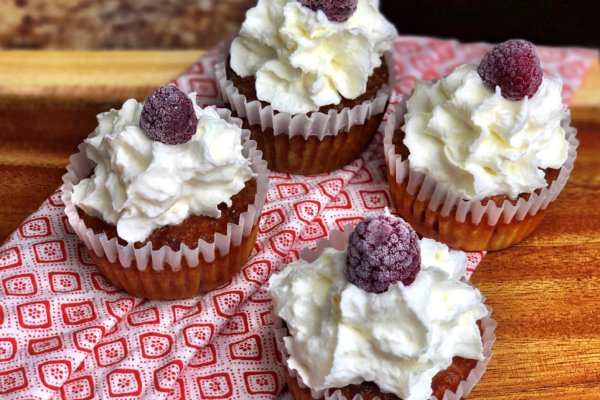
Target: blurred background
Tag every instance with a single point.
(181, 24)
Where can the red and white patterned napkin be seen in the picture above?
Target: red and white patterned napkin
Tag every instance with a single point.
(65, 333)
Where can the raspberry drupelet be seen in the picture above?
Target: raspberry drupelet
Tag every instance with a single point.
(168, 116)
(382, 250)
(515, 67)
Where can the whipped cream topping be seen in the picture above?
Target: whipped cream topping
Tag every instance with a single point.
(481, 144)
(399, 339)
(437, 255)
(302, 60)
(139, 184)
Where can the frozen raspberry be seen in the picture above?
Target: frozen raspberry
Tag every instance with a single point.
(336, 10)
(382, 251)
(168, 116)
(515, 67)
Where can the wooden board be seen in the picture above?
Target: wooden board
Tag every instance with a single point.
(543, 291)
(107, 76)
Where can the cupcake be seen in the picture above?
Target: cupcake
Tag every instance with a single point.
(476, 158)
(382, 315)
(167, 195)
(310, 79)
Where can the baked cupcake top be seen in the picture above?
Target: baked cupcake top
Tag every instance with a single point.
(306, 54)
(344, 333)
(489, 129)
(159, 162)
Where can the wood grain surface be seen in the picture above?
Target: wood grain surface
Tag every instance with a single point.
(544, 291)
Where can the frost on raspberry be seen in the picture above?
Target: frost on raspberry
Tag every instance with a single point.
(168, 116)
(382, 250)
(514, 66)
(335, 10)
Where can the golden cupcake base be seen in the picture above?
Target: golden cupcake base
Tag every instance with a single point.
(182, 283)
(311, 156)
(466, 235)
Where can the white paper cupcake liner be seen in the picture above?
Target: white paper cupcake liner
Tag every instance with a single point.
(317, 124)
(440, 195)
(80, 167)
(339, 241)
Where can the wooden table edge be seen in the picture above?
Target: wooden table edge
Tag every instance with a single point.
(113, 76)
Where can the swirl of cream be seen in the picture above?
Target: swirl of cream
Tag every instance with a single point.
(139, 184)
(303, 61)
(478, 142)
(399, 339)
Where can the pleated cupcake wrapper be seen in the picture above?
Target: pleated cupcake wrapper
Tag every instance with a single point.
(80, 167)
(318, 124)
(441, 196)
(339, 240)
